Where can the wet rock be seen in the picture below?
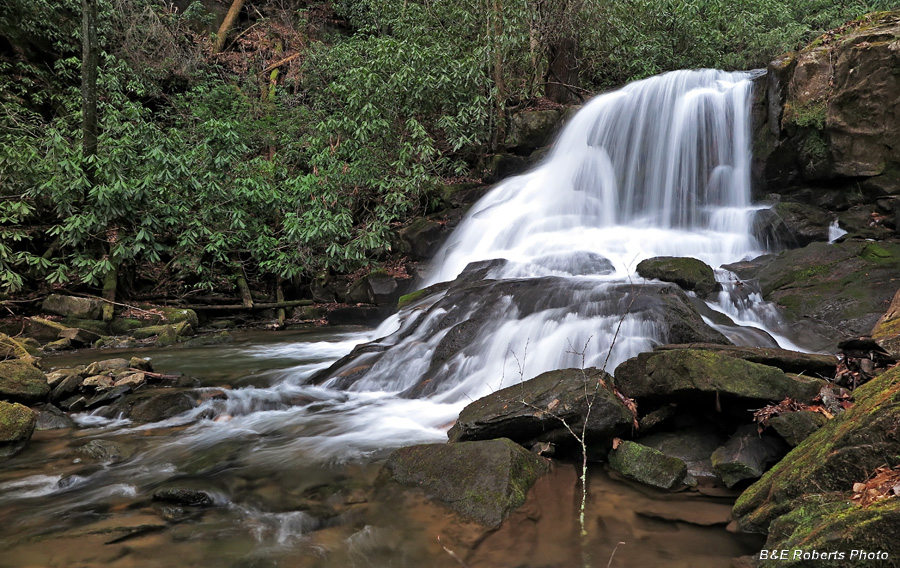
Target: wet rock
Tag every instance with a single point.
(59, 345)
(106, 366)
(15, 348)
(378, 288)
(178, 315)
(75, 403)
(823, 287)
(689, 273)
(134, 381)
(694, 446)
(151, 406)
(141, 364)
(124, 326)
(792, 225)
(50, 417)
(54, 378)
(576, 263)
(99, 382)
(529, 130)
(43, 330)
(184, 496)
(220, 338)
(846, 450)
(168, 336)
(795, 427)
(483, 480)
(72, 306)
(646, 465)
(152, 331)
(66, 387)
(746, 455)
(80, 337)
(810, 364)
(686, 373)
(105, 451)
(535, 410)
(358, 315)
(23, 382)
(501, 166)
(109, 395)
(94, 326)
(17, 424)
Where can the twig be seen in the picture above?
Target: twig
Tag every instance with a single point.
(608, 564)
(452, 554)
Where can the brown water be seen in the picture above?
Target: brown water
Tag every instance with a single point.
(292, 485)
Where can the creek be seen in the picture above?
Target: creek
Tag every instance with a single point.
(659, 168)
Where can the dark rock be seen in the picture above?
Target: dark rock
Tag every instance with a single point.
(74, 403)
(378, 288)
(105, 451)
(648, 466)
(178, 315)
(50, 417)
(693, 445)
(795, 427)
(886, 332)
(168, 336)
(124, 326)
(689, 273)
(84, 308)
(846, 450)
(59, 345)
(746, 454)
(151, 406)
(108, 396)
(358, 315)
(220, 338)
(535, 410)
(140, 364)
(43, 330)
(483, 480)
(529, 130)
(66, 387)
(422, 238)
(823, 287)
(501, 166)
(17, 424)
(864, 222)
(811, 364)
(95, 326)
(791, 225)
(23, 382)
(184, 496)
(686, 373)
(576, 263)
(153, 331)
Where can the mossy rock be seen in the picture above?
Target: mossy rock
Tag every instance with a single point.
(220, 338)
(795, 427)
(689, 273)
(72, 306)
(168, 336)
(95, 326)
(152, 331)
(684, 373)
(483, 481)
(124, 326)
(14, 348)
(17, 424)
(887, 329)
(43, 330)
(22, 381)
(178, 315)
(646, 465)
(846, 450)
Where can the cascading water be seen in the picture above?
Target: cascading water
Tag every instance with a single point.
(659, 168)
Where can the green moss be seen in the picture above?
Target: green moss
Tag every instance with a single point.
(810, 114)
(410, 298)
(16, 422)
(877, 254)
(814, 145)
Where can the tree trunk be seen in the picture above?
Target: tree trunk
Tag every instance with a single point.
(90, 61)
(228, 23)
(279, 298)
(110, 282)
(562, 74)
(246, 297)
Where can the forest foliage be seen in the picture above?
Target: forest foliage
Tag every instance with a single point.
(320, 127)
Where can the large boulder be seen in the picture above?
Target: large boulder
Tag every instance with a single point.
(791, 225)
(151, 406)
(21, 381)
(846, 450)
(531, 129)
(746, 455)
(72, 306)
(810, 364)
(377, 287)
(483, 481)
(647, 465)
(422, 237)
(824, 287)
(544, 408)
(17, 424)
(689, 273)
(689, 373)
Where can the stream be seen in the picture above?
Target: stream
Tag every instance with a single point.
(288, 467)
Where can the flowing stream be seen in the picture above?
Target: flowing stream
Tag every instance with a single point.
(658, 168)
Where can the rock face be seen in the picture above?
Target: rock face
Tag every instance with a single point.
(529, 130)
(686, 373)
(22, 381)
(534, 410)
(846, 450)
(483, 481)
(821, 288)
(689, 273)
(745, 455)
(17, 423)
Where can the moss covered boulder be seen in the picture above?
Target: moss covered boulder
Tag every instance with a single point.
(809, 364)
(17, 424)
(846, 450)
(72, 306)
(483, 481)
(647, 465)
(689, 273)
(887, 329)
(535, 410)
(21, 381)
(14, 348)
(685, 373)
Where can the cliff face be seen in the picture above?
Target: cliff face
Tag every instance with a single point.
(828, 119)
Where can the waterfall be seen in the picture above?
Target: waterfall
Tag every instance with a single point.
(658, 168)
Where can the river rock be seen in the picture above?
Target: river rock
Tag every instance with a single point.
(846, 450)
(107, 395)
(536, 409)
(686, 373)
(823, 287)
(378, 288)
(50, 417)
(483, 480)
(59, 345)
(219, 338)
(43, 330)
(693, 445)
(85, 308)
(689, 273)
(81, 337)
(96, 326)
(184, 496)
(178, 315)
(135, 380)
(151, 406)
(15, 348)
(23, 382)
(810, 364)
(99, 382)
(66, 387)
(106, 366)
(746, 455)
(792, 225)
(648, 466)
(17, 423)
(422, 238)
(105, 451)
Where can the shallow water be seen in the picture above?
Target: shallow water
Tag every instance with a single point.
(290, 483)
